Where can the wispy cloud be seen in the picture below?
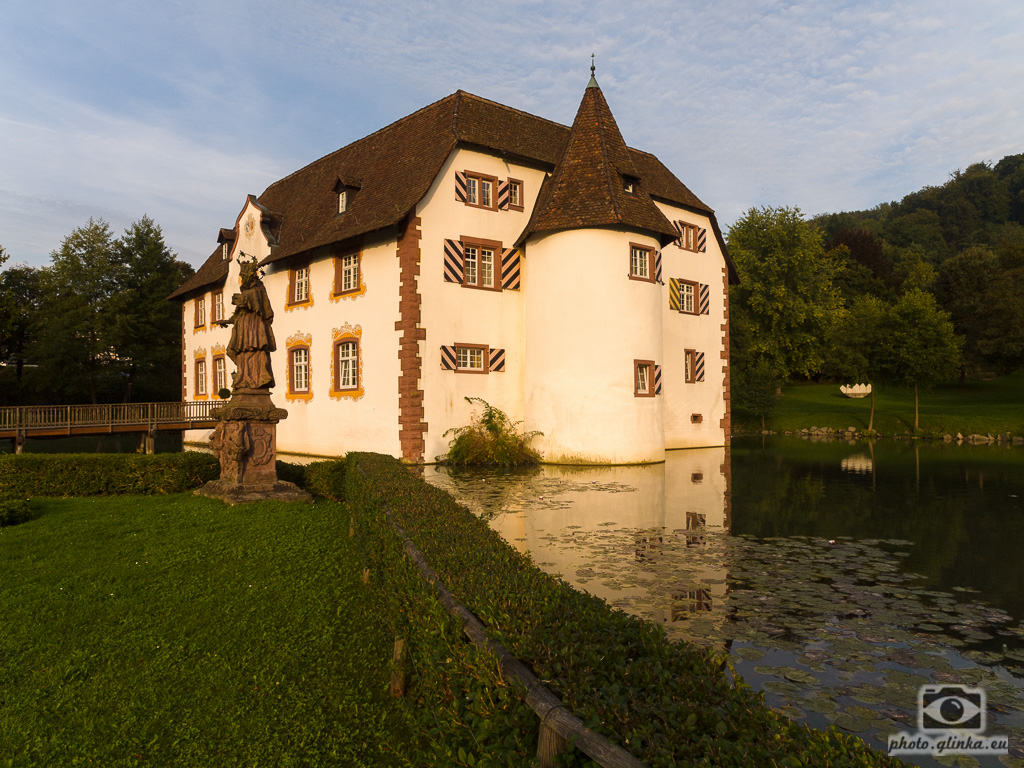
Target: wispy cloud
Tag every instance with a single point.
(179, 110)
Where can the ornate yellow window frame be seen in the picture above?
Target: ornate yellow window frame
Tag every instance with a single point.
(299, 341)
(339, 335)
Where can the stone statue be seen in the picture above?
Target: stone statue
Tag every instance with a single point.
(245, 440)
(252, 338)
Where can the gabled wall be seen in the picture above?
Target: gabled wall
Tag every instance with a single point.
(453, 314)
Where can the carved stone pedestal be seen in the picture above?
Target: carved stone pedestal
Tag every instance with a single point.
(245, 441)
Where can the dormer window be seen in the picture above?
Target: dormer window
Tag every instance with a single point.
(629, 184)
(225, 251)
(345, 189)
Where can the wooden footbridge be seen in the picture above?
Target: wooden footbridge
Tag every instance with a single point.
(18, 423)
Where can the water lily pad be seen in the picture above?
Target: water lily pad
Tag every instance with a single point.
(799, 676)
(781, 687)
(749, 653)
(849, 722)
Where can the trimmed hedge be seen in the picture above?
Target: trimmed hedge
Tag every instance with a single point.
(104, 474)
(667, 703)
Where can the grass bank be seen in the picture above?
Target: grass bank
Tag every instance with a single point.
(176, 631)
(979, 407)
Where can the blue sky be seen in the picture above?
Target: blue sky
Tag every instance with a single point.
(178, 110)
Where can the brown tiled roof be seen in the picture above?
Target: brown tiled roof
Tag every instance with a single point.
(213, 272)
(395, 167)
(587, 188)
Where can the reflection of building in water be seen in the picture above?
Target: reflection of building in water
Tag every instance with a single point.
(689, 602)
(641, 537)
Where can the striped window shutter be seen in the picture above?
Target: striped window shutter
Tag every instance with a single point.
(510, 269)
(679, 234)
(657, 266)
(453, 261)
(657, 379)
(699, 373)
(460, 186)
(705, 299)
(496, 362)
(448, 360)
(674, 299)
(702, 240)
(503, 195)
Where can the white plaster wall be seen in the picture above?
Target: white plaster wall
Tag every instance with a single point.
(320, 426)
(700, 332)
(453, 314)
(586, 323)
(331, 426)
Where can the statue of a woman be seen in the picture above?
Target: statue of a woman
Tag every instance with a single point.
(252, 339)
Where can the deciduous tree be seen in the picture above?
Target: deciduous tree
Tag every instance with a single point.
(920, 347)
(787, 296)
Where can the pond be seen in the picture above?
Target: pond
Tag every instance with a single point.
(838, 577)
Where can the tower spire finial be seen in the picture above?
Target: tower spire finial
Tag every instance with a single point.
(593, 79)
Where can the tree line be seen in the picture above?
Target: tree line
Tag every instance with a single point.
(94, 325)
(909, 293)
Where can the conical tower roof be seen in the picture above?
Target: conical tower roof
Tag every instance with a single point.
(595, 182)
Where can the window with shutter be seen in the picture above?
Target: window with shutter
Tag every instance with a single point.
(643, 378)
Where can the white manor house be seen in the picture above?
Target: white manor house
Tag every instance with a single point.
(474, 250)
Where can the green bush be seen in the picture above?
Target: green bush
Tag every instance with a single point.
(14, 509)
(326, 478)
(291, 473)
(492, 439)
(111, 474)
(667, 703)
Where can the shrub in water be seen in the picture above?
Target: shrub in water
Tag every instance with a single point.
(492, 439)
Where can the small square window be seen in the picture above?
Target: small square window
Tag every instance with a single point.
(470, 358)
(629, 185)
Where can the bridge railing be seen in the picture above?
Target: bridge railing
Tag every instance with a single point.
(106, 415)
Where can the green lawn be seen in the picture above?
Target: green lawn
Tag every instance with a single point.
(978, 407)
(177, 631)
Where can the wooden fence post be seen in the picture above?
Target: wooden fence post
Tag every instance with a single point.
(549, 746)
(398, 660)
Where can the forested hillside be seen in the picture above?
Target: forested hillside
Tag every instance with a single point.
(907, 294)
(962, 241)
